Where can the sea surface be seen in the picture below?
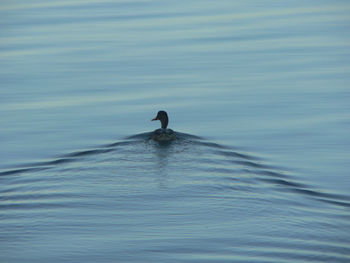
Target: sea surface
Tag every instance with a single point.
(258, 93)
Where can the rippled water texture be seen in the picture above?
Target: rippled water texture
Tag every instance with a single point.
(257, 93)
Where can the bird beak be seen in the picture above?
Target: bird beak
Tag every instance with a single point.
(154, 119)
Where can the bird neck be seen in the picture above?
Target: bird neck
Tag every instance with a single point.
(164, 123)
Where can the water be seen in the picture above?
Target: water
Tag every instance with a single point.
(257, 92)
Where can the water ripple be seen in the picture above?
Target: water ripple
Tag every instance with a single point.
(115, 184)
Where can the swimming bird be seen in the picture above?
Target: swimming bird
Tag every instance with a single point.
(163, 134)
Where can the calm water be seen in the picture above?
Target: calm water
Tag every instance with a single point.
(258, 93)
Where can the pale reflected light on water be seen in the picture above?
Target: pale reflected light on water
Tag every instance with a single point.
(258, 94)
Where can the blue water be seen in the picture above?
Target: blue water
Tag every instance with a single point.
(257, 92)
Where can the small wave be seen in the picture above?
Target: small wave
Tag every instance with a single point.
(179, 135)
(66, 158)
(250, 164)
(236, 154)
(19, 171)
(88, 152)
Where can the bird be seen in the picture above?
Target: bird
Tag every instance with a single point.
(163, 134)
